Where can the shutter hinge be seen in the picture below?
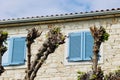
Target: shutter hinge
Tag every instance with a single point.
(67, 57)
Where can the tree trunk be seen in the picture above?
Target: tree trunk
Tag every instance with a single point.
(32, 34)
(96, 49)
(33, 75)
(98, 39)
(38, 57)
(29, 60)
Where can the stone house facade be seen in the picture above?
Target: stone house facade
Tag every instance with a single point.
(63, 64)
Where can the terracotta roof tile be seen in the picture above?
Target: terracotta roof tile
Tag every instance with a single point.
(118, 8)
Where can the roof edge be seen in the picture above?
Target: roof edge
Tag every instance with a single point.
(60, 17)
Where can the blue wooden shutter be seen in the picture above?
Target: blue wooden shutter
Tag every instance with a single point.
(17, 51)
(75, 50)
(88, 45)
(5, 57)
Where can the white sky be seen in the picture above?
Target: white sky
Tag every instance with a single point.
(28, 8)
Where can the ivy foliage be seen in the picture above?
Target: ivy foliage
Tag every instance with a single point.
(3, 39)
(115, 75)
(3, 36)
(81, 75)
(89, 75)
(105, 35)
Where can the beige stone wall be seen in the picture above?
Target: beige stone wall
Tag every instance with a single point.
(55, 67)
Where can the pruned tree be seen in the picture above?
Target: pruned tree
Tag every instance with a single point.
(31, 36)
(54, 38)
(100, 35)
(3, 48)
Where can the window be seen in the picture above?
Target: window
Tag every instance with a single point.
(80, 46)
(15, 55)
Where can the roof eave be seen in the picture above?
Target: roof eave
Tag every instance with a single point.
(57, 17)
